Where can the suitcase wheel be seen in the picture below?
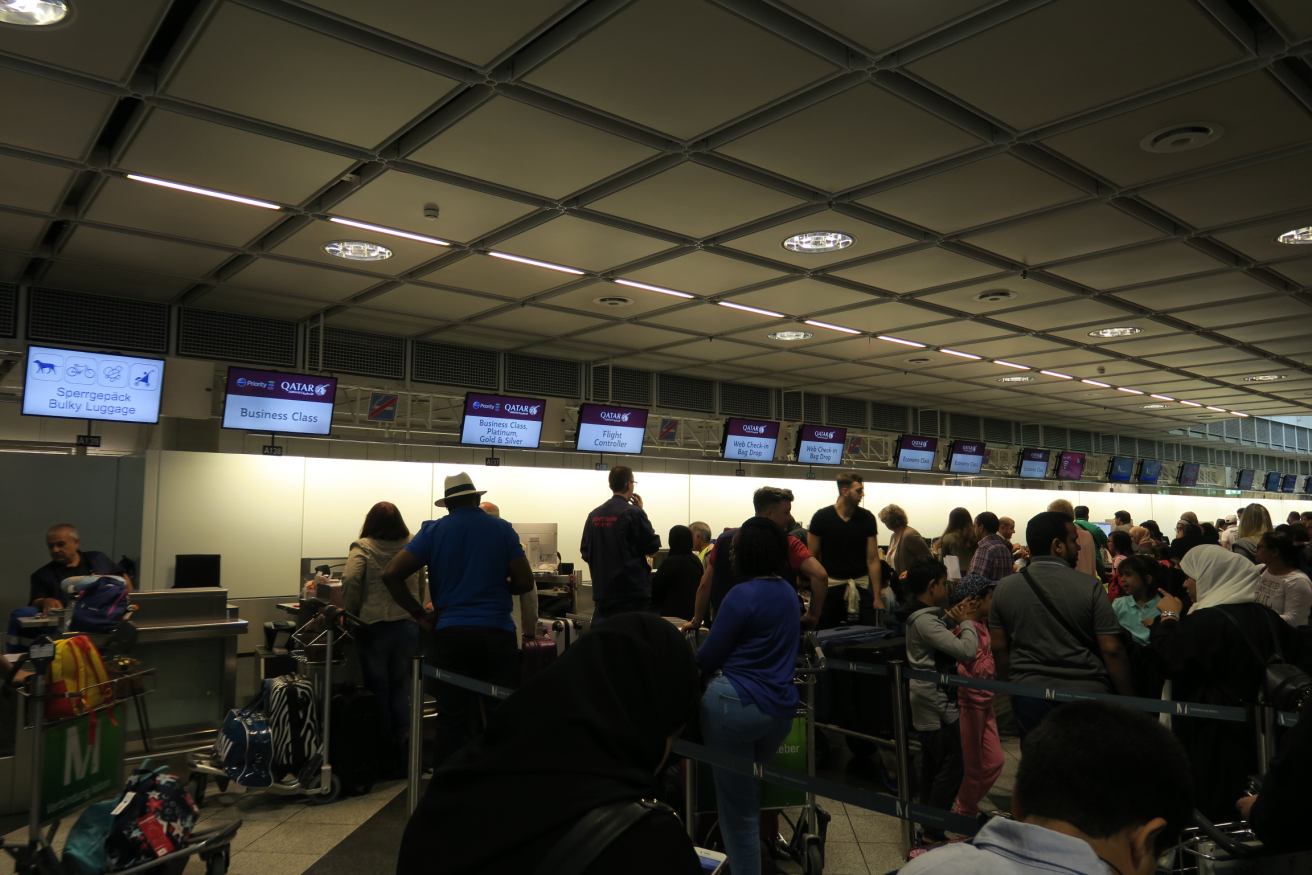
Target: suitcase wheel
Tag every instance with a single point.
(334, 791)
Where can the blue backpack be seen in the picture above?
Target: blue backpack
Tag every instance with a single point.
(100, 605)
(153, 817)
(245, 746)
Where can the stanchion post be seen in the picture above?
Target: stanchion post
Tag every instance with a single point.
(1264, 721)
(416, 758)
(690, 797)
(904, 779)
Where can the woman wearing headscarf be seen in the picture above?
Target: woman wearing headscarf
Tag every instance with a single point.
(1208, 655)
(592, 730)
(674, 585)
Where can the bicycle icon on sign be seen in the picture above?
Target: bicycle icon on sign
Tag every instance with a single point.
(79, 370)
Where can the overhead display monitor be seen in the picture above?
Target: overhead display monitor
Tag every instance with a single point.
(606, 429)
(72, 384)
(1290, 483)
(1120, 469)
(1070, 466)
(820, 444)
(1034, 463)
(502, 421)
(1150, 471)
(275, 402)
(1189, 473)
(749, 440)
(966, 457)
(1273, 480)
(1245, 478)
(916, 453)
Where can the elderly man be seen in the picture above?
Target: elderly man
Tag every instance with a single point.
(525, 609)
(67, 559)
(702, 542)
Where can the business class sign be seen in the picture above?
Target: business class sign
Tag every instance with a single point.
(502, 421)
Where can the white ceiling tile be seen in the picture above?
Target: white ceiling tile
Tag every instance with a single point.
(1143, 265)
(917, 270)
(1067, 235)
(434, 303)
(397, 200)
(497, 276)
(702, 273)
(581, 243)
(538, 320)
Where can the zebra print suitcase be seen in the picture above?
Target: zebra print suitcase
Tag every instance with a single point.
(293, 714)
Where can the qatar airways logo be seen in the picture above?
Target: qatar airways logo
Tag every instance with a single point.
(754, 429)
(304, 388)
(523, 409)
(825, 435)
(609, 415)
(920, 445)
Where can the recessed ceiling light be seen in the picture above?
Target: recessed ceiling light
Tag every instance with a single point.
(613, 301)
(250, 202)
(634, 285)
(1265, 378)
(1057, 375)
(32, 13)
(357, 250)
(1098, 384)
(533, 262)
(1297, 237)
(379, 229)
(1125, 331)
(816, 242)
(901, 341)
(1018, 378)
(791, 335)
(831, 327)
(1182, 138)
(993, 296)
(747, 309)
(1152, 406)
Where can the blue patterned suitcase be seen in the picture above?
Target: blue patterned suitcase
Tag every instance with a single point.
(245, 746)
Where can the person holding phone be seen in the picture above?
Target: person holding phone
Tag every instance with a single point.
(617, 539)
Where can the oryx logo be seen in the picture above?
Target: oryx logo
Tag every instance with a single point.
(609, 415)
(920, 445)
(523, 409)
(754, 429)
(825, 435)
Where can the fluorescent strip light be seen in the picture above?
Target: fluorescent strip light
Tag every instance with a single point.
(901, 341)
(1237, 413)
(1191, 404)
(1096, 383)
(1162, 397)
(1057, 375)
(1012, 365)
(747, 309)
(831, 327)
(535, 263)
(1130, 391)
(964, 355)
(392, 231)
(205, 191)
(631, 284)
(1217, 409)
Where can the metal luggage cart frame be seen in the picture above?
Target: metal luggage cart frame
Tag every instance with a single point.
(1226, 848)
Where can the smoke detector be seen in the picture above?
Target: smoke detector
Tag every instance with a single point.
(1182, 138)
(613, 301)
(993, 296)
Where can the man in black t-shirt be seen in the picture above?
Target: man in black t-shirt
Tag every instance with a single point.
(66, 560)
(845, 538)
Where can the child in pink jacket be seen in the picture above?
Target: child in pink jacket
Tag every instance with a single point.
(981, 750)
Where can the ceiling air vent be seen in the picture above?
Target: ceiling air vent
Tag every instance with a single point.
(847, 412)
(890, 417)
(963, 427)
(537, 376)
(1056, 438)
(356, 352)
(8, 310)
(927, 422)
(1082, 441)
(111, 323)
(235, 337)
(739, 400)
(685, 393)
(450, 365)
(630, 385)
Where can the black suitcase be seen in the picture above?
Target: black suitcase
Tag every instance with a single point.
(861, 702)
(354, 747)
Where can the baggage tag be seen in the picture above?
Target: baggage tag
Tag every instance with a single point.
(127, 797)
(154, 833)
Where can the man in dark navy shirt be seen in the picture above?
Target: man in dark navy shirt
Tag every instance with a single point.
(66, 560)
(617, 539)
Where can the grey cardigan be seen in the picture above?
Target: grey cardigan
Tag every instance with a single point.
(363, 592)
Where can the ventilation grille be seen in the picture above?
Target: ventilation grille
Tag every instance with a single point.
(743, 400)
(1233, 427)
(356, 352)
(997, 431)
(1081, 441)
(685, 393)
(535, 375)
(1056, 438)
(927, 423)
(1108, 442)
(812, 407)
(888, 417)
(235, 337)
(964, 427)
(1248, 429)
(8, 310)
(1030, 436)
(630, 386)
(849, 412)
(115, 323)
(1263, 435)
(451, 365)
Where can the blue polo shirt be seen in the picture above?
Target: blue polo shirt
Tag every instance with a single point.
(1132, 616)
(468, 554)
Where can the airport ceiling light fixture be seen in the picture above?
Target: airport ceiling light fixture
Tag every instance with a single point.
(1297, 237)
(1217, 409)
(1191, 404)
(250, 202)
(1128, 390)
(1162, 397)
(1152, 406)
(392, 232)
(746, 309)
(1097, 383)
(1237, 413)
(32, 13)
(1016, 378)
(841, 328)
(357, 250)
(901, 341)
(533, 262)
(1057, 375)
(1265, 378)
(1122, 331)
(657, 289)
(791, 335)
(1012, 365)
(818, 242)
(964, 355)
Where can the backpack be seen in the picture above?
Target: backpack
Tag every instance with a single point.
(77, 667)
(154, 817)
(293, 715)
(100, 605)
(85, 846)
(245, 746)
(18, 638)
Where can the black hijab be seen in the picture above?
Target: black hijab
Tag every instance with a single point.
(680, 540)
(589, 731)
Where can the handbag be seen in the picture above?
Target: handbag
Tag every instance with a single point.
(1285, 686)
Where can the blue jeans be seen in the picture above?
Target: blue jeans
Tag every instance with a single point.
(742, 730)
(386, 649)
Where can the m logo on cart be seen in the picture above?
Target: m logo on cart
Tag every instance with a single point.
(1181, 708)
(902, 810)
(77, 763)
(758, 770)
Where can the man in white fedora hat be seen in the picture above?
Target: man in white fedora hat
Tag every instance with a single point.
(475, 564)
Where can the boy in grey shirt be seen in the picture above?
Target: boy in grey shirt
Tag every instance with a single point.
(933, 646)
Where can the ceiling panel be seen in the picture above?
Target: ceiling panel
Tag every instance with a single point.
(1017, 345)
(953, 333)
(1292, 14)
(676, 66)
(629, 336)
(1221, 287)
(20, 233)
(1259, 243)
(863, 134)
(1294, 328)
(1147, 328)
(1152, 347)
(107, 281)
(585, 300)
(152, 208)
(497, 277)
(582, 243)
(1078, 232)
(1024, 292)
(781, 361)
(12, 265)
(880, 24)
(883, 318)
(231, 299)
(49, 116)
(710, 319)
(461, 30)
(695, 200)
(1156, 43)
(308, 244)
(130, 250)
(539, 320)
(104, 39)
(802, 297)
(487, 338)
(702, 273)
(1299, 270)
(435, 303)
(31, 185)
(378, 322)
(1264, 189)
(564, 349)
(325, 86)
(716, 350)
(302, 279)
(917, 270)
(867, 240)
(527, 148)
(398, 200)
(1137, 266)
(184, 149)
(836, 371)
(1072, 311)
(851, 348)
(1275, 308)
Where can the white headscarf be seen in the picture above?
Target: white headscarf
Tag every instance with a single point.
(1224, 578)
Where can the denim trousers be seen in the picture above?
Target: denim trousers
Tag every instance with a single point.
(731, 725)
(386, 649)
(484, 653)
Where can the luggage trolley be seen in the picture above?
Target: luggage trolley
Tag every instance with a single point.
(1226, 848)
(318, 650)
(806, 845)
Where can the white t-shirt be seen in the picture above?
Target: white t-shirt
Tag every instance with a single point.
(1289, 595)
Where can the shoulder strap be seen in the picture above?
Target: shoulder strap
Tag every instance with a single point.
(1087, 644)
(1261, 660)
(592, 835)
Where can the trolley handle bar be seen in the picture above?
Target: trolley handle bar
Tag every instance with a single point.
(1227, 843)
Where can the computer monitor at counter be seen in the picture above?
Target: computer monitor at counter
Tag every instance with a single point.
(539, 543)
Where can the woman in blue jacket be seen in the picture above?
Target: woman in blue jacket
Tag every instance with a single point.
(748, 708)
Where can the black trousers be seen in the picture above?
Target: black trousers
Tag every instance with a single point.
(605, 608)
(480, 652)
(941, 771)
